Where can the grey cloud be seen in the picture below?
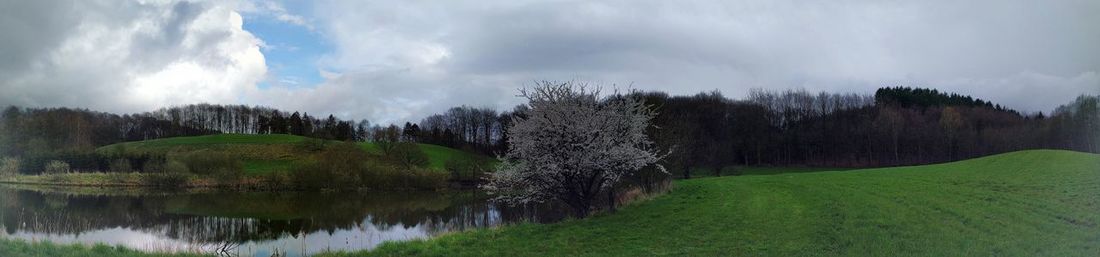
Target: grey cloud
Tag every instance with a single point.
(29, 33)
(1025, 54)
(401, 60)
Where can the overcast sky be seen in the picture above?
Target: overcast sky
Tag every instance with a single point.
(392, 61)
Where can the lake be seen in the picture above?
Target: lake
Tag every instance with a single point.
(246, 223)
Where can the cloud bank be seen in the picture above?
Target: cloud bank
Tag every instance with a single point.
(400, 60)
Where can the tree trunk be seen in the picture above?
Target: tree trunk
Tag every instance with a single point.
(581, 210)
(611, 199)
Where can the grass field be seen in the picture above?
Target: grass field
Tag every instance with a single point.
(1030, 203)
(264, 153)
(755, 170)
(12, 248)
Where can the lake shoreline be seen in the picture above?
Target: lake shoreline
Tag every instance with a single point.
(139, 180)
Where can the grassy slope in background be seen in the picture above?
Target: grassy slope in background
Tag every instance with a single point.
(265, 153)
(1029, 203)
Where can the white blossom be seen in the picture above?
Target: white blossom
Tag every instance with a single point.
(572, 145)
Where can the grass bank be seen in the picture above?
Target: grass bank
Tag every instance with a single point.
(264, 162)
(264, 154)
(19, 248)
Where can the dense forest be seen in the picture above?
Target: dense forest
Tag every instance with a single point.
(706, 132)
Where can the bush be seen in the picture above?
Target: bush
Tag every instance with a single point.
(175, 166)
(174, 175)
(466, 168)
(118, 177)
(221, 165)
(334, 167)
(58, 178)
(425, 179)
(312, 145)
(154, 166)
(346, 166)
(120, 166)
(166, 180)
(408, 155)
(9, 166)
(387, 177)
(57, 167)
(276, 180)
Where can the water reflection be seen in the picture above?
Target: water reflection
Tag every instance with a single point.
(249, 224)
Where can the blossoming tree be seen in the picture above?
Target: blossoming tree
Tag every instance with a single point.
(572, 145)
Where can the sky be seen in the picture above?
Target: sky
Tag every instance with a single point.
(395, 61)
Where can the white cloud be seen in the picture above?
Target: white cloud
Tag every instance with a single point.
(130, 57)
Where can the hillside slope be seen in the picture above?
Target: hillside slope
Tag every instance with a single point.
(265, 153)
(1028, 203)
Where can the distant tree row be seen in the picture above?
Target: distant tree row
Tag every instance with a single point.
(24, 131)
(49, 130)
(907, 97)
(243, 119)
(897, 126)
(478, 129)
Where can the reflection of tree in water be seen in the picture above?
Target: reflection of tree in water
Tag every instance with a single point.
(242, 217)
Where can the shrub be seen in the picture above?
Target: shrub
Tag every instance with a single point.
(346, 166)
(408, 155)
(118, 177)
(166, 180)
(275, 180)
(175, 166)
(385, 177)
(57, 167)
(58, 178)
(466, 168)
(120, 166)
(9, 166)
(312, 145)
(154, 166)
(213, 163)
(334, 167)
(425, 179)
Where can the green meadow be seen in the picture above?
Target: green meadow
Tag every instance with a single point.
(1029, 203)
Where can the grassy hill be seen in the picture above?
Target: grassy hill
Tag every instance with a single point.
(1029, 203)
(264, 153)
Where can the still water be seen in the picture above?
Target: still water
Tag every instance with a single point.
(247, 223)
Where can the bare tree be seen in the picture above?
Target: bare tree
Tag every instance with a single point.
(573, 146)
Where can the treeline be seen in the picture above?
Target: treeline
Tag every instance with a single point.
(896, 126)
(50, 130)
(707, 131)
(464, 127)
(241, 119)
(31, 131)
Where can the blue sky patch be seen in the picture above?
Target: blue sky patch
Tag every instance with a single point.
(291, 51)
